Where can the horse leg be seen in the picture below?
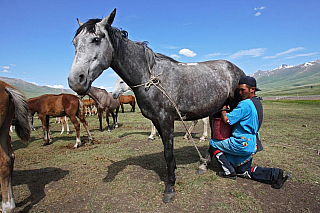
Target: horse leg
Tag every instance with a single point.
(44, 128)
(48, 128)
(6, 165)
(166, 130)
(100, 119)
(116, 117)
(122, 107)
(187, 136)
(77, 127)
(107, 119)
(66, 119)
(133, 106)
(205, 128)
(62, 125)
(6, 168)
(152, 136)
(85, 125)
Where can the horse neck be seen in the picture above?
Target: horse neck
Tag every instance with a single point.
(132, 66)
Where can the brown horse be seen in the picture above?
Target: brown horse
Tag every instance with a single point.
(58, 106)
(105, 102)
(13, 104)
(128, 99)
(88, 105)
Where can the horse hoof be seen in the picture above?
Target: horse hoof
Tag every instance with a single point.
(168, 197)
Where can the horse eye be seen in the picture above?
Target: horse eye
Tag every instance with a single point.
(96, 40)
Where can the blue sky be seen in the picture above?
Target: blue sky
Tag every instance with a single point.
(36, 35)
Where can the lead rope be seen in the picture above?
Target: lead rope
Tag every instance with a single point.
(154, 80)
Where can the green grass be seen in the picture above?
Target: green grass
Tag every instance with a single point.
(124, 172)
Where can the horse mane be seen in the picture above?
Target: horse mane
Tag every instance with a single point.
(118, 36)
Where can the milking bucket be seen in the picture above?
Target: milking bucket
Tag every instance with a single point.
(220, 130)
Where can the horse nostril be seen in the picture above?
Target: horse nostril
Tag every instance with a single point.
(82, 78)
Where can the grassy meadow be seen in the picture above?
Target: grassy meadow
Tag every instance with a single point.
(124, 172)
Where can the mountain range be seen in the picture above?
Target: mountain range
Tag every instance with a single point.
(286, 80)
(32, 90)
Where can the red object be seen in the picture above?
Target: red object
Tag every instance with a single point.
(220, 129)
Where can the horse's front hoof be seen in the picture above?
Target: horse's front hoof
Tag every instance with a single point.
(168, 197)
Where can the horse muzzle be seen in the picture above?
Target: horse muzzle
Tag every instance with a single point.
(79, 82)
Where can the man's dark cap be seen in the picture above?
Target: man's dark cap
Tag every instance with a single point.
(251, 81)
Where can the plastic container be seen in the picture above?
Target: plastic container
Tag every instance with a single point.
(221, 130)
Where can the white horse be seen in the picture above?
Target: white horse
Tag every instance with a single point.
(122, 87)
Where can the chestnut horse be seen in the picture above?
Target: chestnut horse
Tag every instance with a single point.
(88, 105)
(58, 106)
(105, 102)
(128, 99)
(13, 104)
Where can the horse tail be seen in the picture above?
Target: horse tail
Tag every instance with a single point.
(81, 113)
(21, 120)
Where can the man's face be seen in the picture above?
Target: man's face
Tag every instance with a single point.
(245, 92)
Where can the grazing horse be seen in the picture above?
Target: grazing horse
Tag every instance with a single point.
(13, 104)
(58, 106)
(128, 99)
(122, 87)
(106, 103)
(162, 85)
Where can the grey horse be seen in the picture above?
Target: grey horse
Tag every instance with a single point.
(162, 86)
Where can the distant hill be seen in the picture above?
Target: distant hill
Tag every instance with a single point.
(32, 90)
(288, 80)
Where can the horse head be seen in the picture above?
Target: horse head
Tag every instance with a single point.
(120, 88)
(94, 53)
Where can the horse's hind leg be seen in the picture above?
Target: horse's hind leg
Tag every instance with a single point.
(85, 124)
(6, 166)
(77, 127)
(45, 129)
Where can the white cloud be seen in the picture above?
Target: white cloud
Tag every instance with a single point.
(6, 71)
(260, 8)
(5, 67)
(285, 52)
(175, 56)
(257, 14)
(187, 52)
(216, 54)
(252, 52)
(301, 55)
(56, 86)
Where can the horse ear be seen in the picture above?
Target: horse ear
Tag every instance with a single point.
(79, 22)
(109, 19)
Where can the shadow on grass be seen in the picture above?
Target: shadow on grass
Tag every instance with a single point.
(36, 180)
(156, 162)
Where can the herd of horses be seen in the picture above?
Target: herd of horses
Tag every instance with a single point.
(165, 89)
